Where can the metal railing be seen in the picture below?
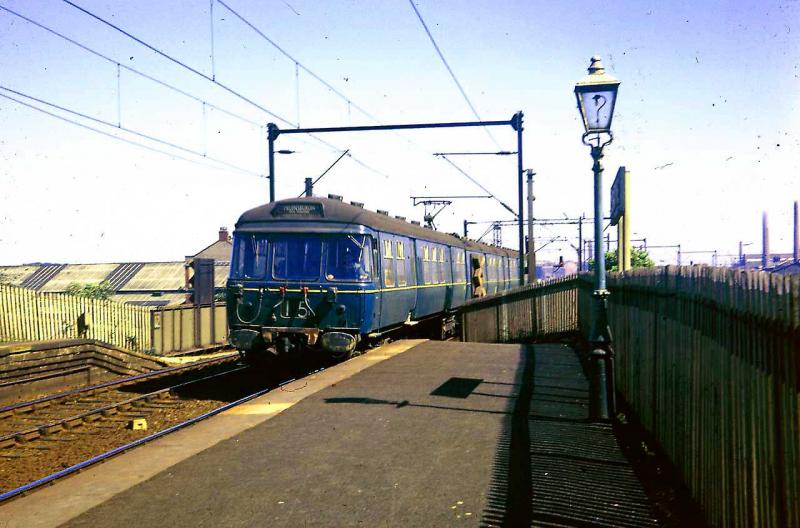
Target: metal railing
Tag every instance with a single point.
(522, 314)
(709, 360)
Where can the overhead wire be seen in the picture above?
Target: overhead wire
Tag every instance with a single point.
(244, 98)
(328, 85)
(125, 67)
(122, 139)
(468, 101)
(476, 182)
(450, 71)
(179, 63)
(130, 131)
(216, 82)
(313, 183)
(299, 64)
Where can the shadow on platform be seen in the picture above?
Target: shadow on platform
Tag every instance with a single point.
(552, 467)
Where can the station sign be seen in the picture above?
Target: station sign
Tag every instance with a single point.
(618, 191)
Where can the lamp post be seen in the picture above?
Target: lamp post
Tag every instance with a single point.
(597, 94)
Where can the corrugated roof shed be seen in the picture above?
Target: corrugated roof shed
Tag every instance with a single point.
(123, 273)
(157, 276)
(143, 283)
(41, 276)
(78, 273)
(16, 274)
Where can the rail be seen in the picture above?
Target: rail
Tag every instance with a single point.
(708, 359)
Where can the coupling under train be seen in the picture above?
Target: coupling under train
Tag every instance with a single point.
(322, 275)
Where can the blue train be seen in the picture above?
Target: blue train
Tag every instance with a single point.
(317, 273)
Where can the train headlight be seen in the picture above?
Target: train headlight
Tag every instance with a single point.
(338, 342)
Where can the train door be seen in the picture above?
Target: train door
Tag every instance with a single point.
(477, 277)
(377, 281)
(458, 267)
(388, 279)
(405, 277)
(447, 278)
(489, 274)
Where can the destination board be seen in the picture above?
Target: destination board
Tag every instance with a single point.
(297, 209)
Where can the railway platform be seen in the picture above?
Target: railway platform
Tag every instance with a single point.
(416, 433)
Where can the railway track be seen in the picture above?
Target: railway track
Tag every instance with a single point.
(50, 442)
(83, 411)
(29, 420)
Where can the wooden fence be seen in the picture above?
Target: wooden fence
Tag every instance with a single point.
(27, 315)
(709, 360)
(708, 357)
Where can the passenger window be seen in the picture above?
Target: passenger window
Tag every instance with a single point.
(434, 266)
(426, 264)
(401, 265)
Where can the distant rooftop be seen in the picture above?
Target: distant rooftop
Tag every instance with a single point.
(142, 283)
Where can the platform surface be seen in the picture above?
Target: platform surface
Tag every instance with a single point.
(443, 434)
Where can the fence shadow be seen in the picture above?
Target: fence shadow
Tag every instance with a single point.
(552, 466)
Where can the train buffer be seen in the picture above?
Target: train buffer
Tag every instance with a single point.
(415, 433)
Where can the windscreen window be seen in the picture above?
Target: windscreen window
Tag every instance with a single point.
(348, 259)
(249, 257)
(296, 259)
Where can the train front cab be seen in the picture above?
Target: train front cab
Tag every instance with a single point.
(292, 291)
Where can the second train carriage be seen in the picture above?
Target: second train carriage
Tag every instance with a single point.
(322, 274)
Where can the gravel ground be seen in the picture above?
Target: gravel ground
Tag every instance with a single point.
(39, 458)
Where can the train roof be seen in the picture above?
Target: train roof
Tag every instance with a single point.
(334, 210)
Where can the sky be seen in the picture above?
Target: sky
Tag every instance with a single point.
(706, 119)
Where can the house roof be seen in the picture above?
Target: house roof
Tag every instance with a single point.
(220, 251)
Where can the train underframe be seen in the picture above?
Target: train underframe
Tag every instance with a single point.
(265, 344)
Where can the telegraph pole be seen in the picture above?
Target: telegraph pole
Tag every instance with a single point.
(531, 241)
(580, 244)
